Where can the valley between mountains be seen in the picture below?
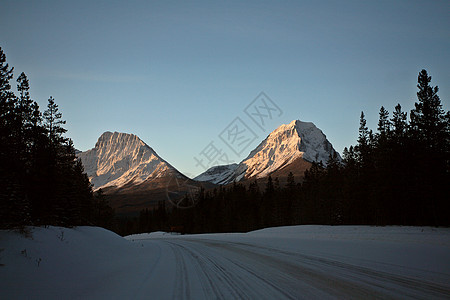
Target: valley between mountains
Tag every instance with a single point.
(135, 177)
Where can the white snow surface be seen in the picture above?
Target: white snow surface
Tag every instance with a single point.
(281, 147)
(120, 158)
(217, 174)
(295, 262)
(285, 144)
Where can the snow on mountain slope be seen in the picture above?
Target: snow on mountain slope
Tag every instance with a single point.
(283, 146)
(121, 158)
(217, 174)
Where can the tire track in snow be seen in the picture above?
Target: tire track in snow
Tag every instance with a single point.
(150, 272)
(334, 276)
(213, 278)
(214, 269)
(181, 288)
(292, 281)
(224, 279)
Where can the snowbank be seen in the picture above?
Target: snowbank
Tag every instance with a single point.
(63, 263)
(396, 234)
(93, 263)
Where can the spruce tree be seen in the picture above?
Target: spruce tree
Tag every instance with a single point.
(14, 208)
(290, 181)
(430, 135)
(53, 123)
(399, 123)
(383, 123)
(363, 138)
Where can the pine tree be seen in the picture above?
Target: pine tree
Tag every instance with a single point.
(14, 208)
(104, 214)
(26, 119)
(428, 119)
(41, 181)
(291, 181)
(53, 123)
(276, 184)
(7, 104)
(363, 138)
(24, 102)
(430, 136)
(383, 123)
(399, 123)
(6, 74)
(270, 188)
(333, 162)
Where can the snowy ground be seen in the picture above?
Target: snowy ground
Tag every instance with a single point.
(318, 262)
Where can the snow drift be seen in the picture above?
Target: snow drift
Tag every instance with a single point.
(279, 263)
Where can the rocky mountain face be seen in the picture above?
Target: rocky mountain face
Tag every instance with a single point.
(120, 158)
(132, 174)
(292, 147)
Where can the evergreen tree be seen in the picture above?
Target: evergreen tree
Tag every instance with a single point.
(363, 138)
(270, 188)
(53, 123)
(428, 119)
(41, 181)
(291, 181)
(6, 95)
(349, 156)
(365, 141)
(383, 123)
(430, 136)
(14, 208)
(24, 102)
(399, 123)
(333, 163)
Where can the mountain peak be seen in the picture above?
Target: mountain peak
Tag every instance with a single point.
(115, 137)
(305, 140)
(294, 123)
(286, 144)
(119, 158)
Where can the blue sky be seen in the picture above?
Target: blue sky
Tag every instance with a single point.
(177, 73)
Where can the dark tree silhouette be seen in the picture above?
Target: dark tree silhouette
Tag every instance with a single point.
(41, 181)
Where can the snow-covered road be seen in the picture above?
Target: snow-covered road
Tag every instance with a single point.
(295, 262)
(204, 268)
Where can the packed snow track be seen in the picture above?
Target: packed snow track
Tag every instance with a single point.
(201, 268)
(293, 262)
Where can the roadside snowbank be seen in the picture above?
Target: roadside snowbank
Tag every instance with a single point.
(400, 234)
(93, 263)
(66, 263)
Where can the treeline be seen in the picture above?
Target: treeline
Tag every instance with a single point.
(41, 180)
(397, 175)
(400, 174)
